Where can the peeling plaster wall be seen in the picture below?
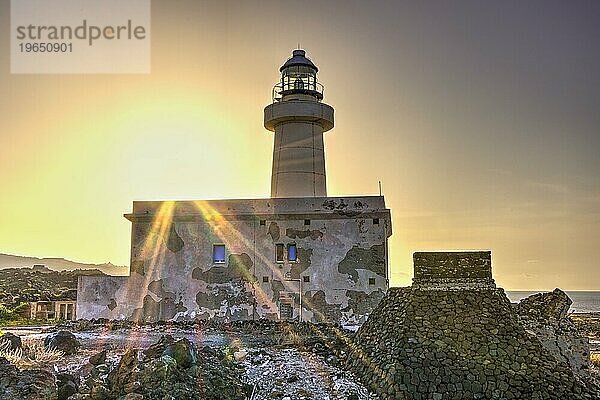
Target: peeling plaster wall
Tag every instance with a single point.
(341, 267)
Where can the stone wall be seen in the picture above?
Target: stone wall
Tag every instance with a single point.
(341, 268)
(428, 342)
(469, 344)
(453, 270)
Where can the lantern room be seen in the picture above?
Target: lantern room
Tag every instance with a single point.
(298, 80)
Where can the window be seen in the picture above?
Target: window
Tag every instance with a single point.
(306, 279)
(279, 249)
(375, 221)
(371, 281)
(262, 222)
(219, 253)
(265, 279)
(307, 222)
(292, 252)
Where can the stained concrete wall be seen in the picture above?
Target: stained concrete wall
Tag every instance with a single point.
(341, 266)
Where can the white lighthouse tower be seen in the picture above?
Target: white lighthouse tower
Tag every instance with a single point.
(298, 117)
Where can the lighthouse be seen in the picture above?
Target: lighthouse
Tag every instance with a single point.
(298, 117)
(298, 254)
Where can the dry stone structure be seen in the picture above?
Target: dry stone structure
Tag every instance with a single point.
(457, 337)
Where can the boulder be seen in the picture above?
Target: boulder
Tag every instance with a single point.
(67, 385)
(548, 307)
(98, 358)
(240, 355)
(125, 371)
(544, 315)
(14, 342)
(183, 351)
(156, 350)
(64, 341)
(66, 390)
(31, 384)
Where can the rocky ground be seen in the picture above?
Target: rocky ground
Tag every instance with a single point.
(262, 360)
(249, 360)
(588, 325)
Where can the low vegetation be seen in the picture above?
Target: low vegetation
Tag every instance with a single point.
(32, 354)
(595, 360)
(14, 316)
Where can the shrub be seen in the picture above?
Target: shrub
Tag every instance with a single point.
(3, 312)
(595, 359)
(20, 309)
(33, 354)
(14, 316)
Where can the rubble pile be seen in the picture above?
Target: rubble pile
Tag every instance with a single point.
(545, 315)
(168, 369)
(299, 375)
(173, 369)
(30, 384)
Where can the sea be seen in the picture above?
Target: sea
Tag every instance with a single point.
(583, 302)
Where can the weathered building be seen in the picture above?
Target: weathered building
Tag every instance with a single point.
(298, 254)
(64, 310)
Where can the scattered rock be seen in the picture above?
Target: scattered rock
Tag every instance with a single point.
(14, 342)
(240, 355)
(64, 341)
(32, 384)
(279, 373)
(98, 358)
(132, 396)
(170, 369)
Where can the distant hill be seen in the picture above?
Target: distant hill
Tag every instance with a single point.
(58, 264)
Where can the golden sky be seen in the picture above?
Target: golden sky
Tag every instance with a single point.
(481, 121)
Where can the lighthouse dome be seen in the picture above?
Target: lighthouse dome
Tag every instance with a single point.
(298, 79)
(299, 59)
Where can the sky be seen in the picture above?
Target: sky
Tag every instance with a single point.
(481, 119)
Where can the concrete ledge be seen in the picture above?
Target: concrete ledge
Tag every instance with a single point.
(298, 111)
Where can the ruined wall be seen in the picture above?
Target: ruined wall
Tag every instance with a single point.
(341, 267)
(545, 315)
(453, 270)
